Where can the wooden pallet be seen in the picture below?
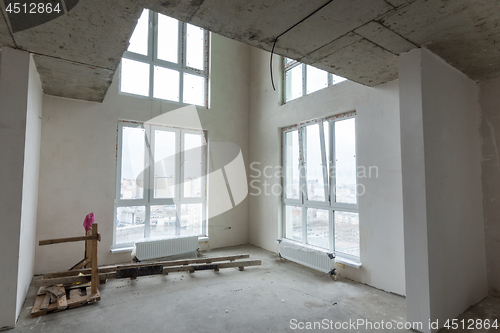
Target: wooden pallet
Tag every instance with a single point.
(59, 298)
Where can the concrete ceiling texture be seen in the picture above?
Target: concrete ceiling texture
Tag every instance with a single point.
(78, 53)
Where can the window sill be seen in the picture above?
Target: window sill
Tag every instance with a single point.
(347, 262)
(121, 249)
(124, 249)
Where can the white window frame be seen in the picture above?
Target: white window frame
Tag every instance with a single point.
(152, 60)
(294, 63)
(148, 198)
(330, 203)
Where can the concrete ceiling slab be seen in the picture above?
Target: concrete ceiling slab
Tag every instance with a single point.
(257, 22)
(331, 48)
(464, 33)
(359, 40)
(385, 38)
(5, 35)
(183, 10)
(333, 21)
(95, 32)
(399, 3)
(351, 61)
(72, 80)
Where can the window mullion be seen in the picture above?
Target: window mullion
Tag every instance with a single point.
(182, 49)
(151, 48)
(333, 164)
(304, 80)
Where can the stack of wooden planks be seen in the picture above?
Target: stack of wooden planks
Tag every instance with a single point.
(58, 298)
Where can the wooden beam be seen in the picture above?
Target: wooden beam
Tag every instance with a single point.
(95, 275)
(112, 268)
(243, 263)
(82, 263)
(68, 240)
(166, 269)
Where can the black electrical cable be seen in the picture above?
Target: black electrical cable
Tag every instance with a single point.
(296, 24)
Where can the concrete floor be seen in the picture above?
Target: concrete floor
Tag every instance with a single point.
(259, 299)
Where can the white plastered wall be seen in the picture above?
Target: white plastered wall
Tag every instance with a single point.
(444, 230)
(20, 108)
(78, 158)
(378, 144)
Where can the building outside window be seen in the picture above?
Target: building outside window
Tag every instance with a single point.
(161, 183)
(300, 79)
(166, 59)
(320, 204)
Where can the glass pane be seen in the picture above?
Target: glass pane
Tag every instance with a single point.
(347, 233)
(164, 167)
(132, 168)
(193, 166)
(130, 224)
(292, 177)
(194, 89)
(195, 47)
(135, 77)
(318, 228)
(314, 167)
(191, 217)
(162, 221)
(168, 38)
(293, 83)
(337, 79)
(345, 157)
(316, 79)
(139, 39)
(293, 222)
(166, 84)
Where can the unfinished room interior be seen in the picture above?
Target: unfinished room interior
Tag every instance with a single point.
(250, 166)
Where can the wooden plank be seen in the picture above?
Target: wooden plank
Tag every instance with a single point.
(69, 280)
(46, 302)
(62, 302)
(166, 269)
(68, 240)
(41, 291)
(82, 263)
(58, 291)
(36, 311)
(134, 272)
(243, 263)
(74, 293)
(88, 248)
(95, 274)
(112, 268)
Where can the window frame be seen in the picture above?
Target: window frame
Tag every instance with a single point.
(152, 60)
(148, 198)
(291, 65)
(330, 203)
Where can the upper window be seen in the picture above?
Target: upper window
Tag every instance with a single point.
(161, 183)
(167, 60)
(301, 79)
(319, 198)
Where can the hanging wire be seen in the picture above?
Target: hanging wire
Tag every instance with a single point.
(293, 26)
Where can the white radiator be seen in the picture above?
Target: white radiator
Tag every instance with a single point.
(307, 256)
(158, 248)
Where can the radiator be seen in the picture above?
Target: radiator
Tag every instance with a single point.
(158, 248)
(307, 256)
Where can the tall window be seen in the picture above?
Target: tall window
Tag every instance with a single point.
(161, 183)
(319, 198)
(301, 79)
(166, 59)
